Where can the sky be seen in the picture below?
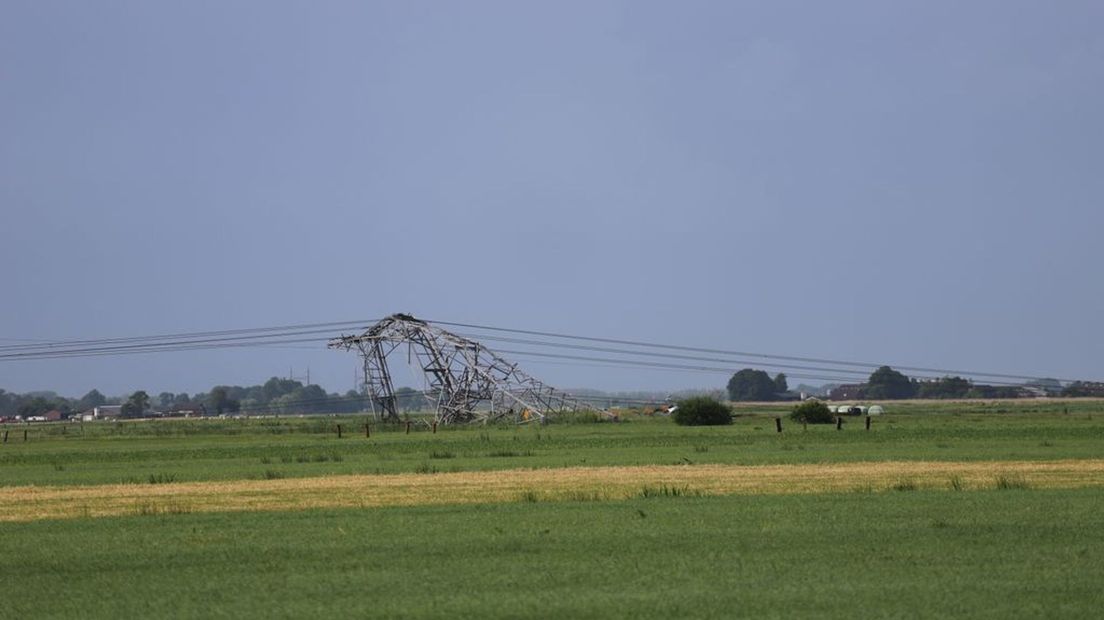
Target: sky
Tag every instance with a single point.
(917, 183)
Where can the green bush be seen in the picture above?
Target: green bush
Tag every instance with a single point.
(813, 412)
(702, 411)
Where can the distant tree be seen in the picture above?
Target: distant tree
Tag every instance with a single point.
(990, 391)
(409, 399)
(886, 383)
(813, 412)
(305, 399)
(165, 399)
(313, 398)
(750, 384)
(136, 405)
(276, 387)
(181, 400)
(92, 399)
(780, 384)
(219, 399)
(702, 411)
(35, 406)
(351, 402)
(947, 387)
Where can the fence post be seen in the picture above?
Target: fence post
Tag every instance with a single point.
(5, 436)
(24, 435)
(367, 432)
(408, 427)
(868, 422)
(839, 423)
(339, 431)
(435, 427)
(778, 424)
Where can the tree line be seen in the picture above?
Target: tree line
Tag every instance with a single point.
(885, 383)
(275, 396)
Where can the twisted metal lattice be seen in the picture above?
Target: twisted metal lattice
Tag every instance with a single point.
(467, 381)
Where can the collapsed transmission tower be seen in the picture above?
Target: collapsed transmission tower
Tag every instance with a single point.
(467, 381)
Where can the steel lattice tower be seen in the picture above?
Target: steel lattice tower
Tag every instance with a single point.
(467, 381)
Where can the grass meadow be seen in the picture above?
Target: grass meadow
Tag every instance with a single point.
(940, 509)
(993, 553)
(196, 450)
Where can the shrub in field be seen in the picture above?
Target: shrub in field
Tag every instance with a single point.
(813, 412)
(702, 411)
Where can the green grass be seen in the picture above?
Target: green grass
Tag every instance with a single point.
(1011, 550)
(933, 554)
(189, 450)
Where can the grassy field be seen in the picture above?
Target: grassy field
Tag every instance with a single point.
(995, 553)
(945, 509)
(198, 450)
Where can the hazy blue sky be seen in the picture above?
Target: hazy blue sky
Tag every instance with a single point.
(914, 182)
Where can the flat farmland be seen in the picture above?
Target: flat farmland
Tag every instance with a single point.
(202, 450)
(964, 509)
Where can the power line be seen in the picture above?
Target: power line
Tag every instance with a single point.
(51, 344)
(282, 335)
(942, 371)
(668, 366)
(162, 348)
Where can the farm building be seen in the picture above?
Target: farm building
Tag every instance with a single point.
(101, 412)
(848, 391)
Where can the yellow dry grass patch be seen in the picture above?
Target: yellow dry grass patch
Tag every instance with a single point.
(29, 503)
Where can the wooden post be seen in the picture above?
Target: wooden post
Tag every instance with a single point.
(367, 432)
(839, 423)
(778, 424)
(5, 436)
(435, 427)
(24, 435)
(339, 431)
(868, 422)
(408, 427)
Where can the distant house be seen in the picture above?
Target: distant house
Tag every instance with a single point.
(102, 412)
(847, 391)
(50, 416)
